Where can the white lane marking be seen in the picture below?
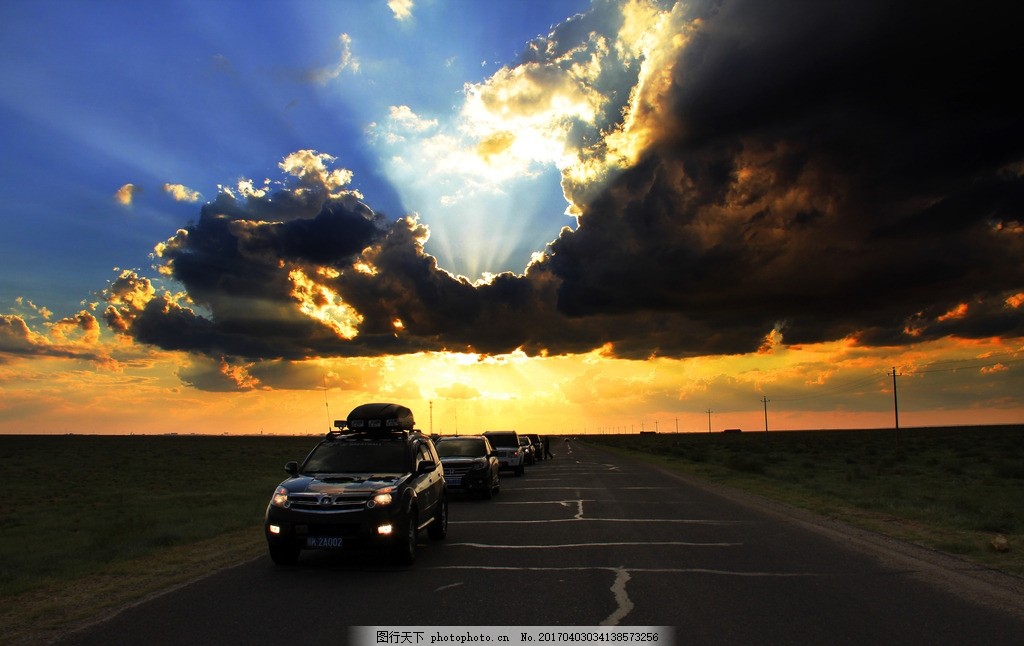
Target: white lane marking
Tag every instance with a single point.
(634, 570)
(623, 605)
(681, 521)
(579, 511)
(564, 503)
(446, 587)
(591, 488)
(573, 545)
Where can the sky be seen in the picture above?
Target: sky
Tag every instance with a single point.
(558, 216)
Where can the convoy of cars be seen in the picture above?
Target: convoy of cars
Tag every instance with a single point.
(376, 482)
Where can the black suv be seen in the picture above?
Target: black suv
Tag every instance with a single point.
(376, 482)
(470, 464)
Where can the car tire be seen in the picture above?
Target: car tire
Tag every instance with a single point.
(488, 491)
(439, 528)
(405, 548)
(284, 554)
(520, 470)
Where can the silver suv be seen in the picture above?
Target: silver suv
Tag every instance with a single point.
(510, 453)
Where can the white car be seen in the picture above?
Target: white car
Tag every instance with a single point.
(510, 453)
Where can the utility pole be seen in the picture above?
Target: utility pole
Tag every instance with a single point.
(677, 425)
(431, 418)
(709, 420)
(764, 398)
(895, 405)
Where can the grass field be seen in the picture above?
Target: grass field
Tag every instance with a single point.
(93, 522)
(953, 489)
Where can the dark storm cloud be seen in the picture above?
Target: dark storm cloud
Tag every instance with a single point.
(829, 170)
(833, 168)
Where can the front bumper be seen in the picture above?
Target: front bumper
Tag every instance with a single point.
(470, 481)
(368, 528)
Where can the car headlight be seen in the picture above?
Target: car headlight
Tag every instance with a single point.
(477, 466)
(280, 498)
(381, 498)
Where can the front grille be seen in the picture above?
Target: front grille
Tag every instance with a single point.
(458, 470)
(328, 503)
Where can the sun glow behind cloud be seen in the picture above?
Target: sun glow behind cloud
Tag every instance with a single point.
(710, 210)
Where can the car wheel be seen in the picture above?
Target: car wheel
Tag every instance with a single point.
(284, 554)
(439, 528)
(520, 470)
(405, 548)
(488, 491)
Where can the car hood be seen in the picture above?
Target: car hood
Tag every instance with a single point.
(344, 483)
(461, 459)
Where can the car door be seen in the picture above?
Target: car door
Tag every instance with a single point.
(426, 484)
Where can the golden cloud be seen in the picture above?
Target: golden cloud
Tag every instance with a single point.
(126, 194)
(182, 193)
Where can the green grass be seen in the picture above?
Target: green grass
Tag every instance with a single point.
(74, 505)
(952, 489)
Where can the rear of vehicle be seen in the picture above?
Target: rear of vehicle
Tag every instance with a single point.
(538, 445)
(510, 453)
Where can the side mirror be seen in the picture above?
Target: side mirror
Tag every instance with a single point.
(292, 468)
(427, 466)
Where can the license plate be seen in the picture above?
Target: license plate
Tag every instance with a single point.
(323, 542)
(455, 481)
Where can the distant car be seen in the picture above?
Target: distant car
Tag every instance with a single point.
(376, 482)
(510, 453)
(529, 454)
(470, 464)
(538, 446)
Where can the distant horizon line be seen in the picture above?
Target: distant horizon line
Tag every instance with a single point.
(1019, 425)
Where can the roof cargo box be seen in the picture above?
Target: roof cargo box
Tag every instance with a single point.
(383, 417)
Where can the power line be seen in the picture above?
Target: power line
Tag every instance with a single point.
(825, 391)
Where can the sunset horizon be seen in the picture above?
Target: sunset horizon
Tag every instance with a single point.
(563, 218)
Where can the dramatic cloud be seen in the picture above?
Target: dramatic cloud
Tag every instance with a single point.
(73, 337)
(743, 175)
(829, 171)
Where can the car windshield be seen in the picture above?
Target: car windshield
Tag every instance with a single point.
(357, 457)
(458, 448)
(504, 439)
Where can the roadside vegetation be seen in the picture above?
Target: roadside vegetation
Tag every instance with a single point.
(959, 490)
(91, 523)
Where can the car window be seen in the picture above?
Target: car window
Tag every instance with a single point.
(356, 457)
(422, 454)
(504, 439)
(460, 448)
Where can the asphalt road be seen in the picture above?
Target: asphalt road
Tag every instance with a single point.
(583, 540)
